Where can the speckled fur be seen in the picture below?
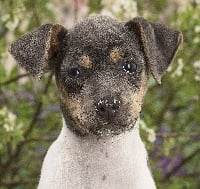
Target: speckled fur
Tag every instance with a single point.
(109, 79)
(99, 47)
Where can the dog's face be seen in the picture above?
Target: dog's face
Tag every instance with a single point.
(101, 68)
(103, 81)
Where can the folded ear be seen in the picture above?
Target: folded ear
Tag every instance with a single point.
(158, 42)
(33, 51)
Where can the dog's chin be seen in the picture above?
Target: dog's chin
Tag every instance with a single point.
(111, 129)
(100, 127)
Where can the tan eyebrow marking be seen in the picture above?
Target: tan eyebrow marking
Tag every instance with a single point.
(85, 61)
(115, 55)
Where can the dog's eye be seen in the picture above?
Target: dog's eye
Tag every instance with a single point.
(74, 73)
(129, 67)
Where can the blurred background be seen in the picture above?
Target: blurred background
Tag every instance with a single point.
(30, 116)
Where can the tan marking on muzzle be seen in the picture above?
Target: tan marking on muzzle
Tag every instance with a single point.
(135, 99)
(74, 106)
(85, 62)
(115, 55)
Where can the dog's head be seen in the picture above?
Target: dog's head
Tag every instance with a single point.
(101, 67)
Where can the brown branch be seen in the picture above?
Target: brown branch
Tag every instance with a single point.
(36, 139)
(165, 107)
(42, 137)
(179, 165)
(14, 79)
(38, 108)
(19, 146)
(35, 14)
(175, 134)
(192, 175)
(39, 157)
(11, 183)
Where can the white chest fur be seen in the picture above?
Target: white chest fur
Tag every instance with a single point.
(118, 162)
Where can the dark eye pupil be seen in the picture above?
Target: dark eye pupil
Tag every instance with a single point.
(74, 73)
(130, 67)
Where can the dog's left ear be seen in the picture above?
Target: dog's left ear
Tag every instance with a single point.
(38, 51)
(158, 42)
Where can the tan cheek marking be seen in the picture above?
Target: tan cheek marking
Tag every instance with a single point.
(73, 105)
(144, 82)
(134, 103)
(136, 98)
(75, 109)
(85, 62)
(115, 55)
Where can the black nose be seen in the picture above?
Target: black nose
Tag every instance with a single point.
(108, 107)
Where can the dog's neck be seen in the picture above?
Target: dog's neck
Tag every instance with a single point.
(109, 147)
(108, 162)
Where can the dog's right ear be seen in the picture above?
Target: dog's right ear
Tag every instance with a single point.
(34, 51)
(159, 44)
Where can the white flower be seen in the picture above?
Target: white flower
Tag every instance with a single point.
(197, 1)
(197, 77)
(196, 66)
(181, 5)
(119, 8)
(169, 69)
(12, 117)
(11, 25)
(196, 40)
(151, 133)
(179, 70)
(197, 29)
(107, 13)
(142, 124)
(50, 6)
(3, 111)
(8, 127)
(5, 17)
(8, 120)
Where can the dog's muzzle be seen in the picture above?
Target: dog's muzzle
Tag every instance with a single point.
(108, 107)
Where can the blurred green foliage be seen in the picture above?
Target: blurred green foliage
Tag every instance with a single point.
(30, 118)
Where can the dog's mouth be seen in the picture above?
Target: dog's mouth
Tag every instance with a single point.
(110, 131)
(110, 118)
(112, 127)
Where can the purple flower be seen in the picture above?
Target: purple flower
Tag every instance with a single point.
(164, 164)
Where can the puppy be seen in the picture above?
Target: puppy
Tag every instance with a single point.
(101, 68)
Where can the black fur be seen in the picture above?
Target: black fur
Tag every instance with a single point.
(144, 44)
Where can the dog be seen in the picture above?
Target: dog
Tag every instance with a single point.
(101, 67)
